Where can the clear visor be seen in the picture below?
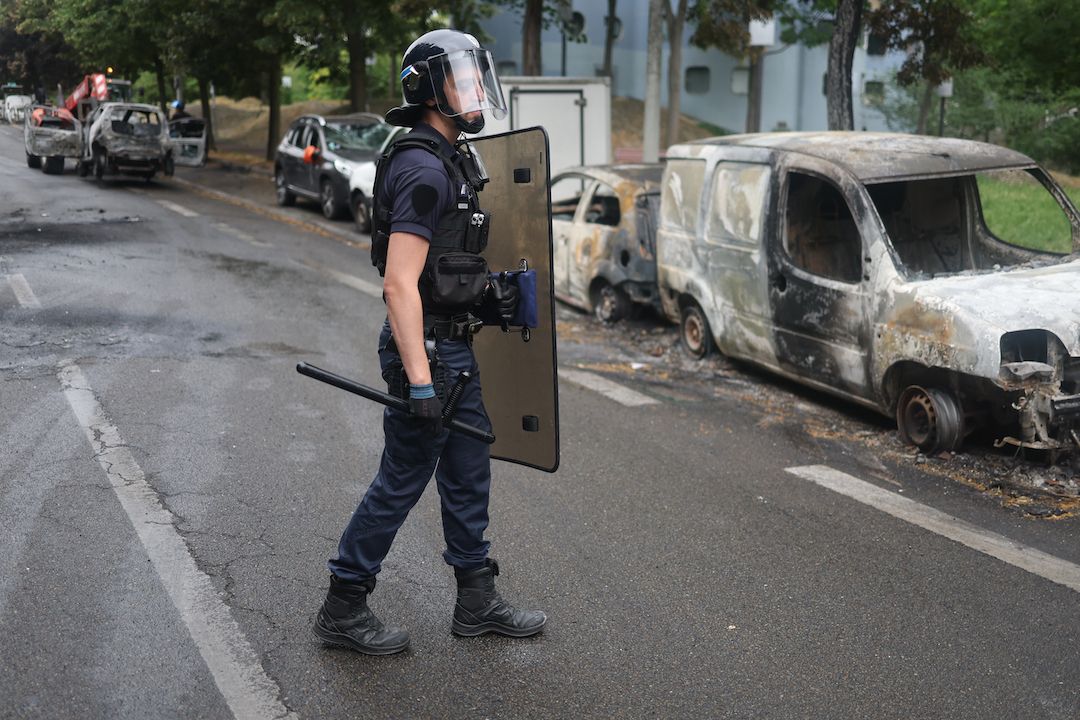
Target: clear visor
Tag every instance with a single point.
(465, 82)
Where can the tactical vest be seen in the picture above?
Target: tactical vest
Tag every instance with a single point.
(455, 274)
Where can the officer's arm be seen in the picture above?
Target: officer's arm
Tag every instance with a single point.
(405, 257)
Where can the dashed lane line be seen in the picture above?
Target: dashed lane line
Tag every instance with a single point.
(607, 388)
(241, 235)
(368, 288)
(170, 205)
(997, 546)
(233, 663)
(22, 291)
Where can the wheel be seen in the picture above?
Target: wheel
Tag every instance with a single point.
(281, 190)
(168, 166)
(331, 208)
(610, 304)
(930, 418)
(82, 168)
(361, 214)
(148, 176)
(101, 164)
(694, 331)
(54, 166)
(33, 161)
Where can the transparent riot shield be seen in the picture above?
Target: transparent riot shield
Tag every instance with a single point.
(518, 366)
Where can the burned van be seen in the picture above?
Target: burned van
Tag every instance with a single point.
(603, 220)
(935, 280)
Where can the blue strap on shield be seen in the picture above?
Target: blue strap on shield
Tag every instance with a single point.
(527, 314)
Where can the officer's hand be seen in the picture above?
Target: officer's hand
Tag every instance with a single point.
(506, 299)
(425, 406)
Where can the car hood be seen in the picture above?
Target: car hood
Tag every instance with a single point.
(1046, 298)
(356, 156)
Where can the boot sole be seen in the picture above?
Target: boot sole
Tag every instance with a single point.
(334, 639)
(460, 628)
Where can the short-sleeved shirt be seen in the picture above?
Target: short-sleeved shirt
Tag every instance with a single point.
(418, 191)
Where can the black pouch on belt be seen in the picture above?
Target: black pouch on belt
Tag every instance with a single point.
(458, 280)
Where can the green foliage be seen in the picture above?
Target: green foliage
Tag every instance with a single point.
(724, 24)
(1024, 214)
(938, 36)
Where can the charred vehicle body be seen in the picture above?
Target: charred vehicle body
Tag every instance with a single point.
(603, 225)
(51, 134)
(935, 280)
(126, 139)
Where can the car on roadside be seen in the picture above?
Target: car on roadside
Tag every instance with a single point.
(932, 279)
(318, 155)
(362, 182)
(603, 220)
(126, 139)
(50, 134)
(15, 108)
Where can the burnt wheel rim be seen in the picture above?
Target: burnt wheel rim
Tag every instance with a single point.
(693, 332)
(920, 419)
(607, 303)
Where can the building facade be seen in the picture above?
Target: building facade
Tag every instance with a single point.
(715, 85)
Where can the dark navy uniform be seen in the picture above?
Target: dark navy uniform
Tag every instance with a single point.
(421, 195)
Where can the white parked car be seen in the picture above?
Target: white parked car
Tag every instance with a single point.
(362, 181)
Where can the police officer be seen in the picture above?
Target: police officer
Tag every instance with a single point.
(427, 232)
(179, 113)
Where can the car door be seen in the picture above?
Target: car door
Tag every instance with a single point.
(292, 157)
(188, 137)
(818, 286)
(311, 170)
(590, 242)
(567, 191)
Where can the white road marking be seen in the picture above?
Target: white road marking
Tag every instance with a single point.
(241, 235)
(607, 388)
(22, 291)
(355, 283)
(177, 208)
(998, 546)
(235, 666)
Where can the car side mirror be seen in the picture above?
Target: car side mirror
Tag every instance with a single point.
(311, 154)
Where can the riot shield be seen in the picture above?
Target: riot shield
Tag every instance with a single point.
(518, 368)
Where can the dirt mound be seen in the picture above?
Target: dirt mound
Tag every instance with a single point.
(627, 119)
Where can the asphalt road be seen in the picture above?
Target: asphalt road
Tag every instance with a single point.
(170, 490)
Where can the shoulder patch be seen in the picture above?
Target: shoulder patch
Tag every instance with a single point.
(424, 198)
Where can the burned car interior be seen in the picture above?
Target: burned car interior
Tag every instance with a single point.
(136, 123)
(821, 236)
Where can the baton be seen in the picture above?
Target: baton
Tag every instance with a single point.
(385, 399)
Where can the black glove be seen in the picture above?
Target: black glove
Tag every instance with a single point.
(506, 296)
(427, 410)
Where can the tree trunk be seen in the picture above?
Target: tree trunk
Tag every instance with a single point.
(273, 98)
(650, 146)
(530, 37)
(159, 70)
(753, 99)
(676, 23)
(208, 117)
(356, 43)
(924, 108)
(838, 77)
(609, 38)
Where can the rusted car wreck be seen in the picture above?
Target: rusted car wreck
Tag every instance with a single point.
(127, 139)
(603, 226)
(934, 280)
(51, 134)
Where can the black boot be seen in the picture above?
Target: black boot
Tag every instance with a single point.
(480, 609)
(346, 620)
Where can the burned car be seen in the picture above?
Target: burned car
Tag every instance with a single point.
(51, 134)
(126, 139)
(932, 279)
(603, 220)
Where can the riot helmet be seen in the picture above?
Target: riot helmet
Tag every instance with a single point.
(450, 68)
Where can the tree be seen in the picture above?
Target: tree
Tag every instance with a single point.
(611, 23)
(676, 20)
(530, 37)
(725, 25)
(937, 35)
(650, 151)
(841, 53)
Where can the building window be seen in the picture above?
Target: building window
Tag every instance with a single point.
(875, 44)
(740, 81)
(873, 92)
(697, 80)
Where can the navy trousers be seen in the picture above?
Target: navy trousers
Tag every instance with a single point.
(462, 468)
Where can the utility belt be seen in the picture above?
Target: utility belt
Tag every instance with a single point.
(461, 326)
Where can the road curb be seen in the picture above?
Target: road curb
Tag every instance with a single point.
(344, 236)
